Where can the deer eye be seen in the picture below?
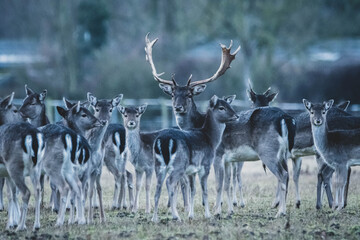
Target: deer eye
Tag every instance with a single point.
(323, 112)
(125, 115)
(137, 115)
(110, 110)
(97, 109)
(221, 108)
(83, 115)
(311, 112)
(15, 110)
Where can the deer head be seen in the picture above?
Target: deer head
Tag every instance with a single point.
(318, 111)
(261, 100)
(8, 112)
(103, 108)
(33, 105)
(132, 115)
(182, 95)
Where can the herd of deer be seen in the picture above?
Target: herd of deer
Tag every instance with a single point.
(72, 152)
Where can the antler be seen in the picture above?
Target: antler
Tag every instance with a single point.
(226, 60)
(267, 91)
(148, 50)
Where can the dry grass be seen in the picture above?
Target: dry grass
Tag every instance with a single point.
(256, 220)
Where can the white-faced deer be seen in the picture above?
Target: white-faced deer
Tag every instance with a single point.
(115, 157)
(187, 153)
(21, 152)
(83, 122)
(340, 149)
(304, 146)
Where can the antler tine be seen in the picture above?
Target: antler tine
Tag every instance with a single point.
(267, 91)
(250, 87)
(148, 49)
(189, 80)
(226, 60)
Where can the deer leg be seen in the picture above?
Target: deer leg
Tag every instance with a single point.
(19, 181)
(219, 179)
(42, 183)
(36, 181)
(239, 181)
(347, 187)
(63, 190)
(2, 183)
(234, 183)
(326, 174)
(99, 192)
(76, 191)
(91, 193)
(184, 190)
(139, 175)
(276, 201)
(341, 178)
(296, 174)
(279, 169)
(13, 208)
(203, 176)
(192, 195)
(160, 180)
(227, 187)
(147, 188)
(172, 188)
(130, 184)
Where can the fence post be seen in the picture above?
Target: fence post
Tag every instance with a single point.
(164, 114)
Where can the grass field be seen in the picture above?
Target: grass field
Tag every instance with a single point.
(255, 221)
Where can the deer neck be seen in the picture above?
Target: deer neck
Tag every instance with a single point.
(42, 119)
(191, 119)
(73, 126)
(95, 137)
(320, 134)
(213, 129)
(133, 142)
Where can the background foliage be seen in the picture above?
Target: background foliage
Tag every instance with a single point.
(98, 46)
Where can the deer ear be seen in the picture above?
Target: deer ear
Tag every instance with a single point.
(61, 111)
(116, 100)
(141, 109)
(328, 104)
(229, 99)
(167, 88)
(271, 97)
(43, 96)
(213, 101)
(7, 101)
(251, 95)
(307, 104)
(344, 105)
(195, 90)
(121, 109)
(78, 106)
(92, 99)
(67, 103)
(28, 91)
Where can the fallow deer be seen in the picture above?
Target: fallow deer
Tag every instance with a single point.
(115, 157)
(179, 153)
(21, 152)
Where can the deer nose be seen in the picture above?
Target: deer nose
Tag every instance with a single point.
(179, 109)
(318, 122)
(131, 124)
